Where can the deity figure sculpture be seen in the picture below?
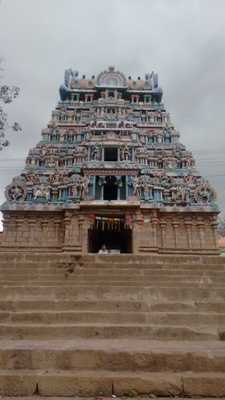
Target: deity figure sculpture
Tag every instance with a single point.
(124, 153)
(75, 188)
(181, 194)
(95, 153)
(84, 187)
(136, 186)
(173, 194)
(74, 191)
(70, 75)
(41, 193)
(205, 193)
(145, 187)
(51, 162)
(15, 192)
(32, 179)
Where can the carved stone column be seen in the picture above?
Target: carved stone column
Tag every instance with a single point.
(17, 229)
(175, 225)
(67, 230)
(155, 225)
(84, 226)
(200, 225)
(188, 225)
(163, 226)
(45, 235)
(213, 227)
(73, 232)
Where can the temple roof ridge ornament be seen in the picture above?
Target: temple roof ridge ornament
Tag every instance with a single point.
(111, 79)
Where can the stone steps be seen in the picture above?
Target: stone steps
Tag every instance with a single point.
(110, 330)
(98, 280)
(92, 383)
(26, 266)
(149, 294)
(121, 272)
(113, 271)
(101, 283)
(114, 275)
(49, 257)
(110, 267)
(113, 355)
(102, 397)
(72, 290)
(61, 305)
(97, 325)
(193, 319)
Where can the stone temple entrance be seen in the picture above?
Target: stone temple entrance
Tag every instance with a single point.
(111, 232)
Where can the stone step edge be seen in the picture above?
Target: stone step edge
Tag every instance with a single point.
(113, 312)
(58, 301)
(110, 345)
(220, 288)
(109, 397)
(80, 330)
(106, 325)
(101, 382)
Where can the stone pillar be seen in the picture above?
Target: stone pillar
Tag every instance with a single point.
(200, 226)
(155, 224)
(136, 232)
(126, 187)
(72, 236)
(18, 227)
(67, 219)
(175, 226)
(214, 234)
(89, 153)
(83, 227)
(31, 225)
(44, 226)
(163, 226)
(188, 225)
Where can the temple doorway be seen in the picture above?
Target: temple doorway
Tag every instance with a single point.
(110, 188)
(111, 232)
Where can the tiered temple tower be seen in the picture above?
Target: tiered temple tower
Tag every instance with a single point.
(110, 170)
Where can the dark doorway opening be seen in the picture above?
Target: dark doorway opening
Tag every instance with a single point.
(111, 154)
(110, 188)
(116, 237)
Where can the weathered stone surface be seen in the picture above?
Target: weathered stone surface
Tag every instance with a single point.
(211, 385)
(151, 337)
(17, 384)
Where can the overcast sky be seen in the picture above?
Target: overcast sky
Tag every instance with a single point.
(182, 40)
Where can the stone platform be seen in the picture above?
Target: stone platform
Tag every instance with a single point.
(101, 325)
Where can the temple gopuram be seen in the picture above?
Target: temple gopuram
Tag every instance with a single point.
(110, 170)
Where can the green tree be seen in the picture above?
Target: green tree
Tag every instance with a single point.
(221, 227)
(7, 95)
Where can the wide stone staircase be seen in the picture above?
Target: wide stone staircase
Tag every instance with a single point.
(112, 325)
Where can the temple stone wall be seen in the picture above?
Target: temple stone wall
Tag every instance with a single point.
(73, 228)
(33, 231)
(171, 233)
(152, 231)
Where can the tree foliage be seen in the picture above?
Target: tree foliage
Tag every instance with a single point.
(221, 227)
(7, 95)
